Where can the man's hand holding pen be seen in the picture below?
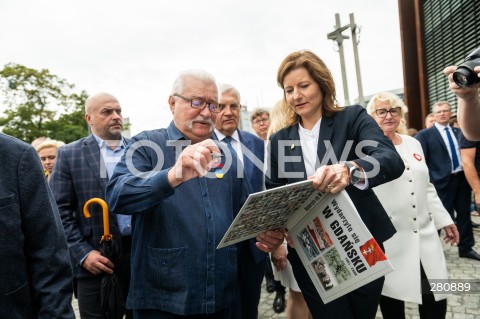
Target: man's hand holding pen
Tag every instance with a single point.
(194, 161)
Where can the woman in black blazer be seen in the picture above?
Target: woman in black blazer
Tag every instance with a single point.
(337, 148)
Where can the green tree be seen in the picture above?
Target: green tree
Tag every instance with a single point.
(71, 125)
(34, 98)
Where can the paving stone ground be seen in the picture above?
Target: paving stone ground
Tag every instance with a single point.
(460, 306)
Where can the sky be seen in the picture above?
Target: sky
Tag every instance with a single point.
(135, 49)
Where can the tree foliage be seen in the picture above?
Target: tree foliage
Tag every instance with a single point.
(70, 126)
(39, 103)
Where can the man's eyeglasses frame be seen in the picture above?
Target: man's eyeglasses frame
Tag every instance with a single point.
(200, 104)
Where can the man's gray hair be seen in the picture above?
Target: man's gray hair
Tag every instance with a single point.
(199, 74)
(224, 88)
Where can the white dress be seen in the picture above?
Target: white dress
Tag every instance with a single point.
(416, 211)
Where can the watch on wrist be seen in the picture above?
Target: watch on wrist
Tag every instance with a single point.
(353, 171)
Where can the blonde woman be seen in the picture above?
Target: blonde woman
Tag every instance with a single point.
(417, 212)
(47, 151)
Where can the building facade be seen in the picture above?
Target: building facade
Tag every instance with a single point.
(444, 32)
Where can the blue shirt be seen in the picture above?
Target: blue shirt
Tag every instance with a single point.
(111, 157)
(177, 267)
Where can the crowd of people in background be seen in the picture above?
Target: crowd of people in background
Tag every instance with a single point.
(167, 217)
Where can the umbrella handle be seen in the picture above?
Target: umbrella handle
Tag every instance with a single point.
(106, 221)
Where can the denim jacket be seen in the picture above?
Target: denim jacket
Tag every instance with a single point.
(175, 264)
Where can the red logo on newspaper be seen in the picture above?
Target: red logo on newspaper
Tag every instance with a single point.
(372, 252)
(418, 157)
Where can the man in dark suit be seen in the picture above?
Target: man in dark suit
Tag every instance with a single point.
(35, 272)
(443, 159)
(81, 172)
(249, 150)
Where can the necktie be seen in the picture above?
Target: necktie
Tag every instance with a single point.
(452, 149)
(228, 141)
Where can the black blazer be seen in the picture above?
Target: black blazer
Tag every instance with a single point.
(436, 155)
(340, 135)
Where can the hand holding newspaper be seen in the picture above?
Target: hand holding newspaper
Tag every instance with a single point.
(336, 248)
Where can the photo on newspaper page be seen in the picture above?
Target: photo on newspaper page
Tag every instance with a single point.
(336, 248)
(270, 209)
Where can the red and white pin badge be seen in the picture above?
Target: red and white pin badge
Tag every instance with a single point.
(418, 157)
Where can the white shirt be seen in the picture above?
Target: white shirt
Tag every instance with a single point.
(309, 143)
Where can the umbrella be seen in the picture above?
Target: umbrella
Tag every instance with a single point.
(111, 297)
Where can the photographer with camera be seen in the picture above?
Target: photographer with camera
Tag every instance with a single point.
(464, 81)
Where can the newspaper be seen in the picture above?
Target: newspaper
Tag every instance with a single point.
(336, 248)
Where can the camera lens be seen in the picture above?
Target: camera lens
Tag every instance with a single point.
(464, 77)
(460, 79)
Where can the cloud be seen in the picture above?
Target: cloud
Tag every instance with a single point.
(135, 50)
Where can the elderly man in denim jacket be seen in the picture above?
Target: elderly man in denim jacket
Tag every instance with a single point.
(181, 207)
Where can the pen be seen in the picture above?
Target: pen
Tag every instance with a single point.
(217, 155)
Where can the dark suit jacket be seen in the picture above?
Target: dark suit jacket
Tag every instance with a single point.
(340, 135)
(35, 273)
(436, 155)
(76, 178)
(253, 172)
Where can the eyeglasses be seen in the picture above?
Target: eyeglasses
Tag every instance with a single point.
(200, 104)
(233, 106)
(394, 112)
(261, 121)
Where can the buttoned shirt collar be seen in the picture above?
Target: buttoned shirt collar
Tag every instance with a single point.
(101, 142)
